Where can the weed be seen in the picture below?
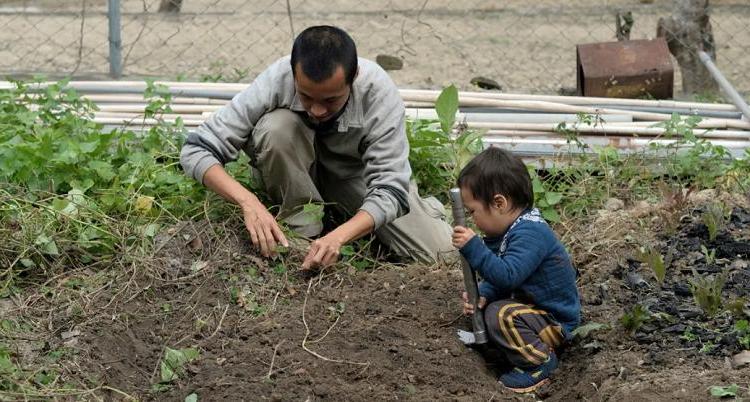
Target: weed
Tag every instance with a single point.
(172, 366)
(710, 256)
(636, 317)
(715, 218)
(742, 328)
(653, 258)
(707, 348)
(688, 335)
(437, 154)
(706, 292)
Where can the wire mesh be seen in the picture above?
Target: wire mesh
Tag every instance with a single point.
(524, 46)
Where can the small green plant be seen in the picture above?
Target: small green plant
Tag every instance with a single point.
(742, 328)
(653, 258)
(635, 318)
(706, 292)
(710, 256)
(715, 219)
(172, 366)
(688, 335)
(721, 392)
(707, 347)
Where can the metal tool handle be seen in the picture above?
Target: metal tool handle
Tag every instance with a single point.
(470, 280)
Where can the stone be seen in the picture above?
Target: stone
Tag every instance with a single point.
(389, 62)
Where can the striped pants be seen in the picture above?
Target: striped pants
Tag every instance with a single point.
(526, 335)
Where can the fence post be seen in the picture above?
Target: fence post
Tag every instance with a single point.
(115, 40)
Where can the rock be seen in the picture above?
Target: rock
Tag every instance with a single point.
(614, 204)
(634, 280)
(389, 62)
(486, 83)
(681, 289)
(741, 359)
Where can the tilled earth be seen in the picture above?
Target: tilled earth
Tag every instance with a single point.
(265, 331)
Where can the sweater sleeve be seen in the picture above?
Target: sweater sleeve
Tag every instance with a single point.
(386, 156)
(221, 137)
(524, 253)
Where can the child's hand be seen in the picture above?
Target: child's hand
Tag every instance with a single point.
(461, 235)
(469, 308)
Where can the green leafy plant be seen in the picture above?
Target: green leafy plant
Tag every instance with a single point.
(715, 218)
(635, 318)
(742, 328)
(721, 391)
(437, 152)
(653, 258)
(710, 256)
(706, 292)
(172, 366)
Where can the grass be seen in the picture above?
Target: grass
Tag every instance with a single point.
(84, 213)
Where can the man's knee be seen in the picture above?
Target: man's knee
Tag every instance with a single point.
(279, 131)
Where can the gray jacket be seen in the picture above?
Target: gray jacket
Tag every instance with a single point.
(371, 141)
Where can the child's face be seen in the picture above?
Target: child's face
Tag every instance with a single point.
(493, 219)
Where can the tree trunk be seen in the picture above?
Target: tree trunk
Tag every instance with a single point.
(688, 30)
(170, 6)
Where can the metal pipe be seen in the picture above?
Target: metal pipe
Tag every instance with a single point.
(725, 85)
(115, 40)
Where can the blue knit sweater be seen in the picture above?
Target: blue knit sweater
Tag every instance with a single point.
(528, 263)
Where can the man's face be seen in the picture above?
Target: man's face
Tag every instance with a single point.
(322, 100)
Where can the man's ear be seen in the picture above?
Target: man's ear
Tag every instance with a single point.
(500, 202)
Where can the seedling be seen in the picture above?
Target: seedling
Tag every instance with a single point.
(710, 256)
(707, 292)
(172, 367)
(742, 328)
(633, 319)
(715, 219)
(688, 335)
(653, 258)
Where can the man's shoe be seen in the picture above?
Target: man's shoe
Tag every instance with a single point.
(528, 380)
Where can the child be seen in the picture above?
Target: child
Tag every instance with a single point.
(528, 278)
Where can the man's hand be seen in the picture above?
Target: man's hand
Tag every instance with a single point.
(264, 231)
(461, 235)
(323, 252)
(468, 307)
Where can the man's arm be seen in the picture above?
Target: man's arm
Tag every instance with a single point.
(262, 226)
(326, 250)
(224, 134)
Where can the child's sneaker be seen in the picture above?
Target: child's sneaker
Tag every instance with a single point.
(528, 380)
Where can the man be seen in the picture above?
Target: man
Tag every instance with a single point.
(321, 126)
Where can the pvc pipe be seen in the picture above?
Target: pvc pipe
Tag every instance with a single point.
(511, 117)
(408, 94)
(725, 85)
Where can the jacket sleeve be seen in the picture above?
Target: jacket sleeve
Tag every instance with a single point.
(506, 273)
(226, 132)
(386, 157)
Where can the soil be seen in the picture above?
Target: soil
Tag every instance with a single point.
(267, 331)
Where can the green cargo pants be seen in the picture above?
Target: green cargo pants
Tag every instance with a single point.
(283, 152)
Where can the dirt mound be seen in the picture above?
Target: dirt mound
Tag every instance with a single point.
(264, 331)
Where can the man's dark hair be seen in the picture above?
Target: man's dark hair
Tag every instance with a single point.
(497, 171)
(319, 50)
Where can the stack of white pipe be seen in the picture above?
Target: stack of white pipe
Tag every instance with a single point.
(528, 124)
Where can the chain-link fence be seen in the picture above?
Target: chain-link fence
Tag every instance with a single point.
(524, 46)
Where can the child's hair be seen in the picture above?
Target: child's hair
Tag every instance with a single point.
(496, 171)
